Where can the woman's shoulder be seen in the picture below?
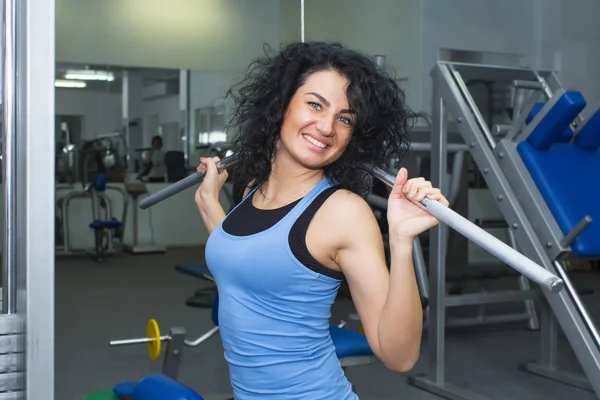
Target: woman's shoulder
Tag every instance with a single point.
(345, 206)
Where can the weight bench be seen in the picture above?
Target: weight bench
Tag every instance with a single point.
(560, 163)
(571, 187)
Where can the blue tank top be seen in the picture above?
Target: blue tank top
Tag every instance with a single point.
(274, 314)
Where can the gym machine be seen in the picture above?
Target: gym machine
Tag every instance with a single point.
(519, 173)
(479, 274)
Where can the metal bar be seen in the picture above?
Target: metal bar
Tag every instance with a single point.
(444, 390)
(202, 338)
(485, 240)
(181, 185)
(461, 322)
(478, 117)
(451, 147)
(520, 84)
(127, 342)
(555, 374)
(505, 296)
(420, 269)
(518, 124)
(9, 161)
(589, 322)
(573, 233)
(174, 352)
(36, 35)
(437, 248)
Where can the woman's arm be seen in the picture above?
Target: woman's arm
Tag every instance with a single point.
(207, 194)
(388, 303)
(212, 213)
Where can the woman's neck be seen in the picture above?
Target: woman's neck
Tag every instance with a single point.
(287, 182)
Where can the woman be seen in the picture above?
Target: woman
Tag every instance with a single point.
(305, 121)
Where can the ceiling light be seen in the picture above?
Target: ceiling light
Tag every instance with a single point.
(69, 84)
(90, 75)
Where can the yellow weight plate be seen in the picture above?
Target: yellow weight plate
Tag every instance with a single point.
(153, 332)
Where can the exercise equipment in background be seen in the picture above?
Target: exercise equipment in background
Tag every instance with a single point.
(135, 190)
(539, 154)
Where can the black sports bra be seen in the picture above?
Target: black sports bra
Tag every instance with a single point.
(247, 220)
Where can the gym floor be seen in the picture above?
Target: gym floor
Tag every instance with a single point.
(97, 302)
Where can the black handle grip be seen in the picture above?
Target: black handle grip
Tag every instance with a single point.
(181, 185)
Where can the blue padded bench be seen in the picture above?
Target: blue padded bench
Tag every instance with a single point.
(156, 387)
(352, 348)
(567, 172)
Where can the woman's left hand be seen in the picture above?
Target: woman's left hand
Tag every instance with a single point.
(405, 219)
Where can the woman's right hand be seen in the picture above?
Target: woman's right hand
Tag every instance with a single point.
(213, 180)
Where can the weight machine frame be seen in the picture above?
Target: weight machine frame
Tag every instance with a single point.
(505, 175)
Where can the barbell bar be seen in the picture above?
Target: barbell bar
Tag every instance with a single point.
(154, 340)
(469, 230)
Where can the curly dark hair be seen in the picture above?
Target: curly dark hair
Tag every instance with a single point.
(261, 98)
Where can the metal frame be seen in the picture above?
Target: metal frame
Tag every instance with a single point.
(505, 181)
(522, 294)
(27, 321)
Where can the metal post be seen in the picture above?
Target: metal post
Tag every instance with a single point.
(174, 352)
(9, 160)
(35, 121)
(437, 251)
(125, 118)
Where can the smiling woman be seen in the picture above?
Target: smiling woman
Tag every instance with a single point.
(335, 81)
(305, 122)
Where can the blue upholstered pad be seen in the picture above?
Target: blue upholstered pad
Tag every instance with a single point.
(554, 124)
(565, 135)
(161, 387)
(588, 137)
(568, 179)
(201, 271)
(105, 224)
(156, 387)
(349, 343)
(124, 389)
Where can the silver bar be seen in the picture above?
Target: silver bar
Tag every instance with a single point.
(546, 88)
(500, 130)
(518, 124)
(451, 147)
(437, 246)
(202, 338)
(483, 239)
(36, 280)
(520, 84)
(573, 233)
(505, 296)
(126, 342)
(485, 130)
(9, 161)
(578, 303)
(173, 352)
(486, 320)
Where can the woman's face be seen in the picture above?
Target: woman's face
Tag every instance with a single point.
(317, 126)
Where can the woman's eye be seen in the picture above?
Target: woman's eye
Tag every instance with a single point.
(346, 121)
(314, 105)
